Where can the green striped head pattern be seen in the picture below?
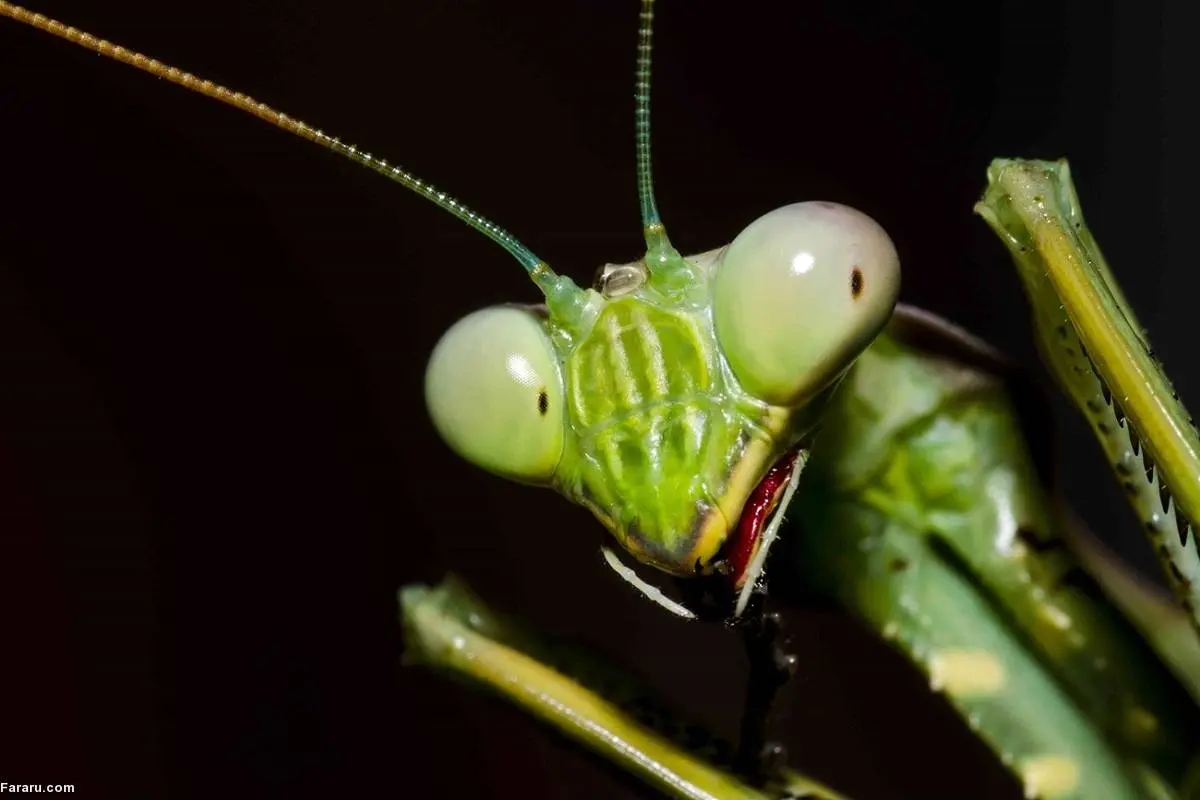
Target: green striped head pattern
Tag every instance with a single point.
(664, 396)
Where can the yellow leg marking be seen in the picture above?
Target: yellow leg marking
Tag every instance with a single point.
(966, 672)
(1055, 616)
(1047, 777)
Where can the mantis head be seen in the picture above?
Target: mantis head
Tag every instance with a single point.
(675, 398)
(665, 397)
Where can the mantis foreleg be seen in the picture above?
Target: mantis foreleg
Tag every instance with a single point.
(1092, 342)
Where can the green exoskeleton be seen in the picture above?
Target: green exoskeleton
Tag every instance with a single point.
(688, 402)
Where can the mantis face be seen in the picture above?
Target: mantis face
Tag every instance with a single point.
(671, 399)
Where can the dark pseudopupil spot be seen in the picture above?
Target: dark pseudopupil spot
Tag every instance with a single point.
(856, 283)
(543, 402)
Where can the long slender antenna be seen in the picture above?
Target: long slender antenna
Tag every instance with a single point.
(556, 288)
(650, 218)
(659, 252)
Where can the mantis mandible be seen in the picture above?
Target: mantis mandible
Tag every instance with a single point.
(851, 283)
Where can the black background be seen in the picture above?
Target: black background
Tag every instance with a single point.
(215, 464)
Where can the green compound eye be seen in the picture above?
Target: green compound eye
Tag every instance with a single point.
(495, 394)
(799, 294)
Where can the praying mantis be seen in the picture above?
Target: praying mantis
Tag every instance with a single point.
(515, 226)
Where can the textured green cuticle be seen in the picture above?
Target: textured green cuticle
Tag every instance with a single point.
(657, 423)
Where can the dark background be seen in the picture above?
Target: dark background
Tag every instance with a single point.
(215, 464)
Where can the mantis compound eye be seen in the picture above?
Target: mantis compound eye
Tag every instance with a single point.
(495, 393)
(799, 294)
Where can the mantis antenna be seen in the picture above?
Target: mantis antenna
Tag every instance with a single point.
(663, 260)
(564, 299)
